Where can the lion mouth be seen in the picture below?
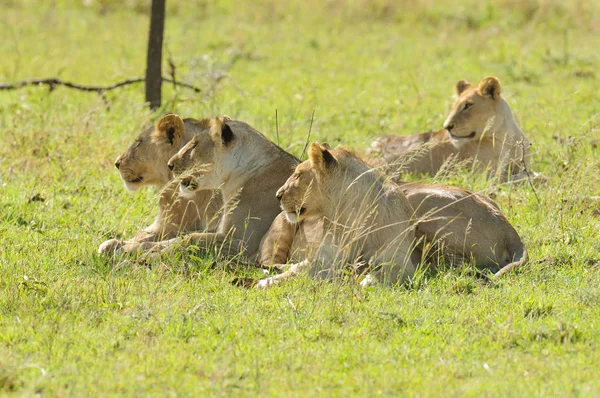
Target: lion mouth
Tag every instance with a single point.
(464, 137)
(293, 216)
(292, 209)
(136, 180)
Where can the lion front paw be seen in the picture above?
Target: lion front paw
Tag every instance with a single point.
(110, 247)
(368, 281)
(266, 283)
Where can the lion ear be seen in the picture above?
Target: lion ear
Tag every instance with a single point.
(220, 131)
(461, 86)
(490, 86)
(168, 129)
(321, 157)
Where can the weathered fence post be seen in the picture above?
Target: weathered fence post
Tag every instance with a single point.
(154, 60)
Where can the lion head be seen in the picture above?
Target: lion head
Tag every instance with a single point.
(145, 161)
(205, 161)
(301, 193)
(474, 110)
(327, 173)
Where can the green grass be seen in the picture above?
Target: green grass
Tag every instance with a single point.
(72, 324)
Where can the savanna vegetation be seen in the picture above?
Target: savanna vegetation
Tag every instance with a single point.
(75, 324)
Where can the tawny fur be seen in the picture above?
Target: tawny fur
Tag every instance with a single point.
(356, 216)
(144, 163)
(480, 131)
(464, 226)
(247, 169)
(451, 223)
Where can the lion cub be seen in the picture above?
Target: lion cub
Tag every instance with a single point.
(480, 130)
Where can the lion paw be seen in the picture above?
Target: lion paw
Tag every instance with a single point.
(368, 281)
(110, 247)
(265, 283)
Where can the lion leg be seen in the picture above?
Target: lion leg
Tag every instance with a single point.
(157, 231)
(114, 247)
(293, 271)
(222, 244)
(276, 243)
(390, 273)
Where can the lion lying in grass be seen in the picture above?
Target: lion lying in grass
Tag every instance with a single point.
(452, 224)
(247, 169)
(144, 163)
(357, 217)
(480, 130)
(462, 226)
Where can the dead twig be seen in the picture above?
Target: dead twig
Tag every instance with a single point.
(53, 82)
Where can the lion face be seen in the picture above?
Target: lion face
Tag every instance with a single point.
(302, 195)
(196, 165)
(473, 111)
(145, 161)
(295, 195)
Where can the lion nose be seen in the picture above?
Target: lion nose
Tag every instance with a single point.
(171, 166)
(118, 164)
(448, 126)
(279, 195)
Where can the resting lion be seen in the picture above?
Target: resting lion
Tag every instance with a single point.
(452, 223)
(247, 169)
(357, 217)
(144, 163)
(480, 128)
(464, 226)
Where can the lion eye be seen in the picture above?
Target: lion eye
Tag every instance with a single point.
(467, 106)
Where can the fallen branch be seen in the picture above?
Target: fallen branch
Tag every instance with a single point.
(182, 84)
(52, 83)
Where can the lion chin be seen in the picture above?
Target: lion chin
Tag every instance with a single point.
(293, 217)
(459, 141)
(132, 186)
(188, 187)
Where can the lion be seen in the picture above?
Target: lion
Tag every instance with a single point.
(464, 226)
(452, 223)
(144, 163)
(480, 130)
(356, 218)
(247, 169)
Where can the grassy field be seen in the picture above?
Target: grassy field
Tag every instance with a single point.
(73, 324)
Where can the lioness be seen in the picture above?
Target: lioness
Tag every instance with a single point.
(480, 128)
(247, 169)
(361, 218)
(451, 222)
(144, 163)
(464, 226)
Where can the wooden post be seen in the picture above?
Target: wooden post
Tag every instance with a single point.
(154, 60)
